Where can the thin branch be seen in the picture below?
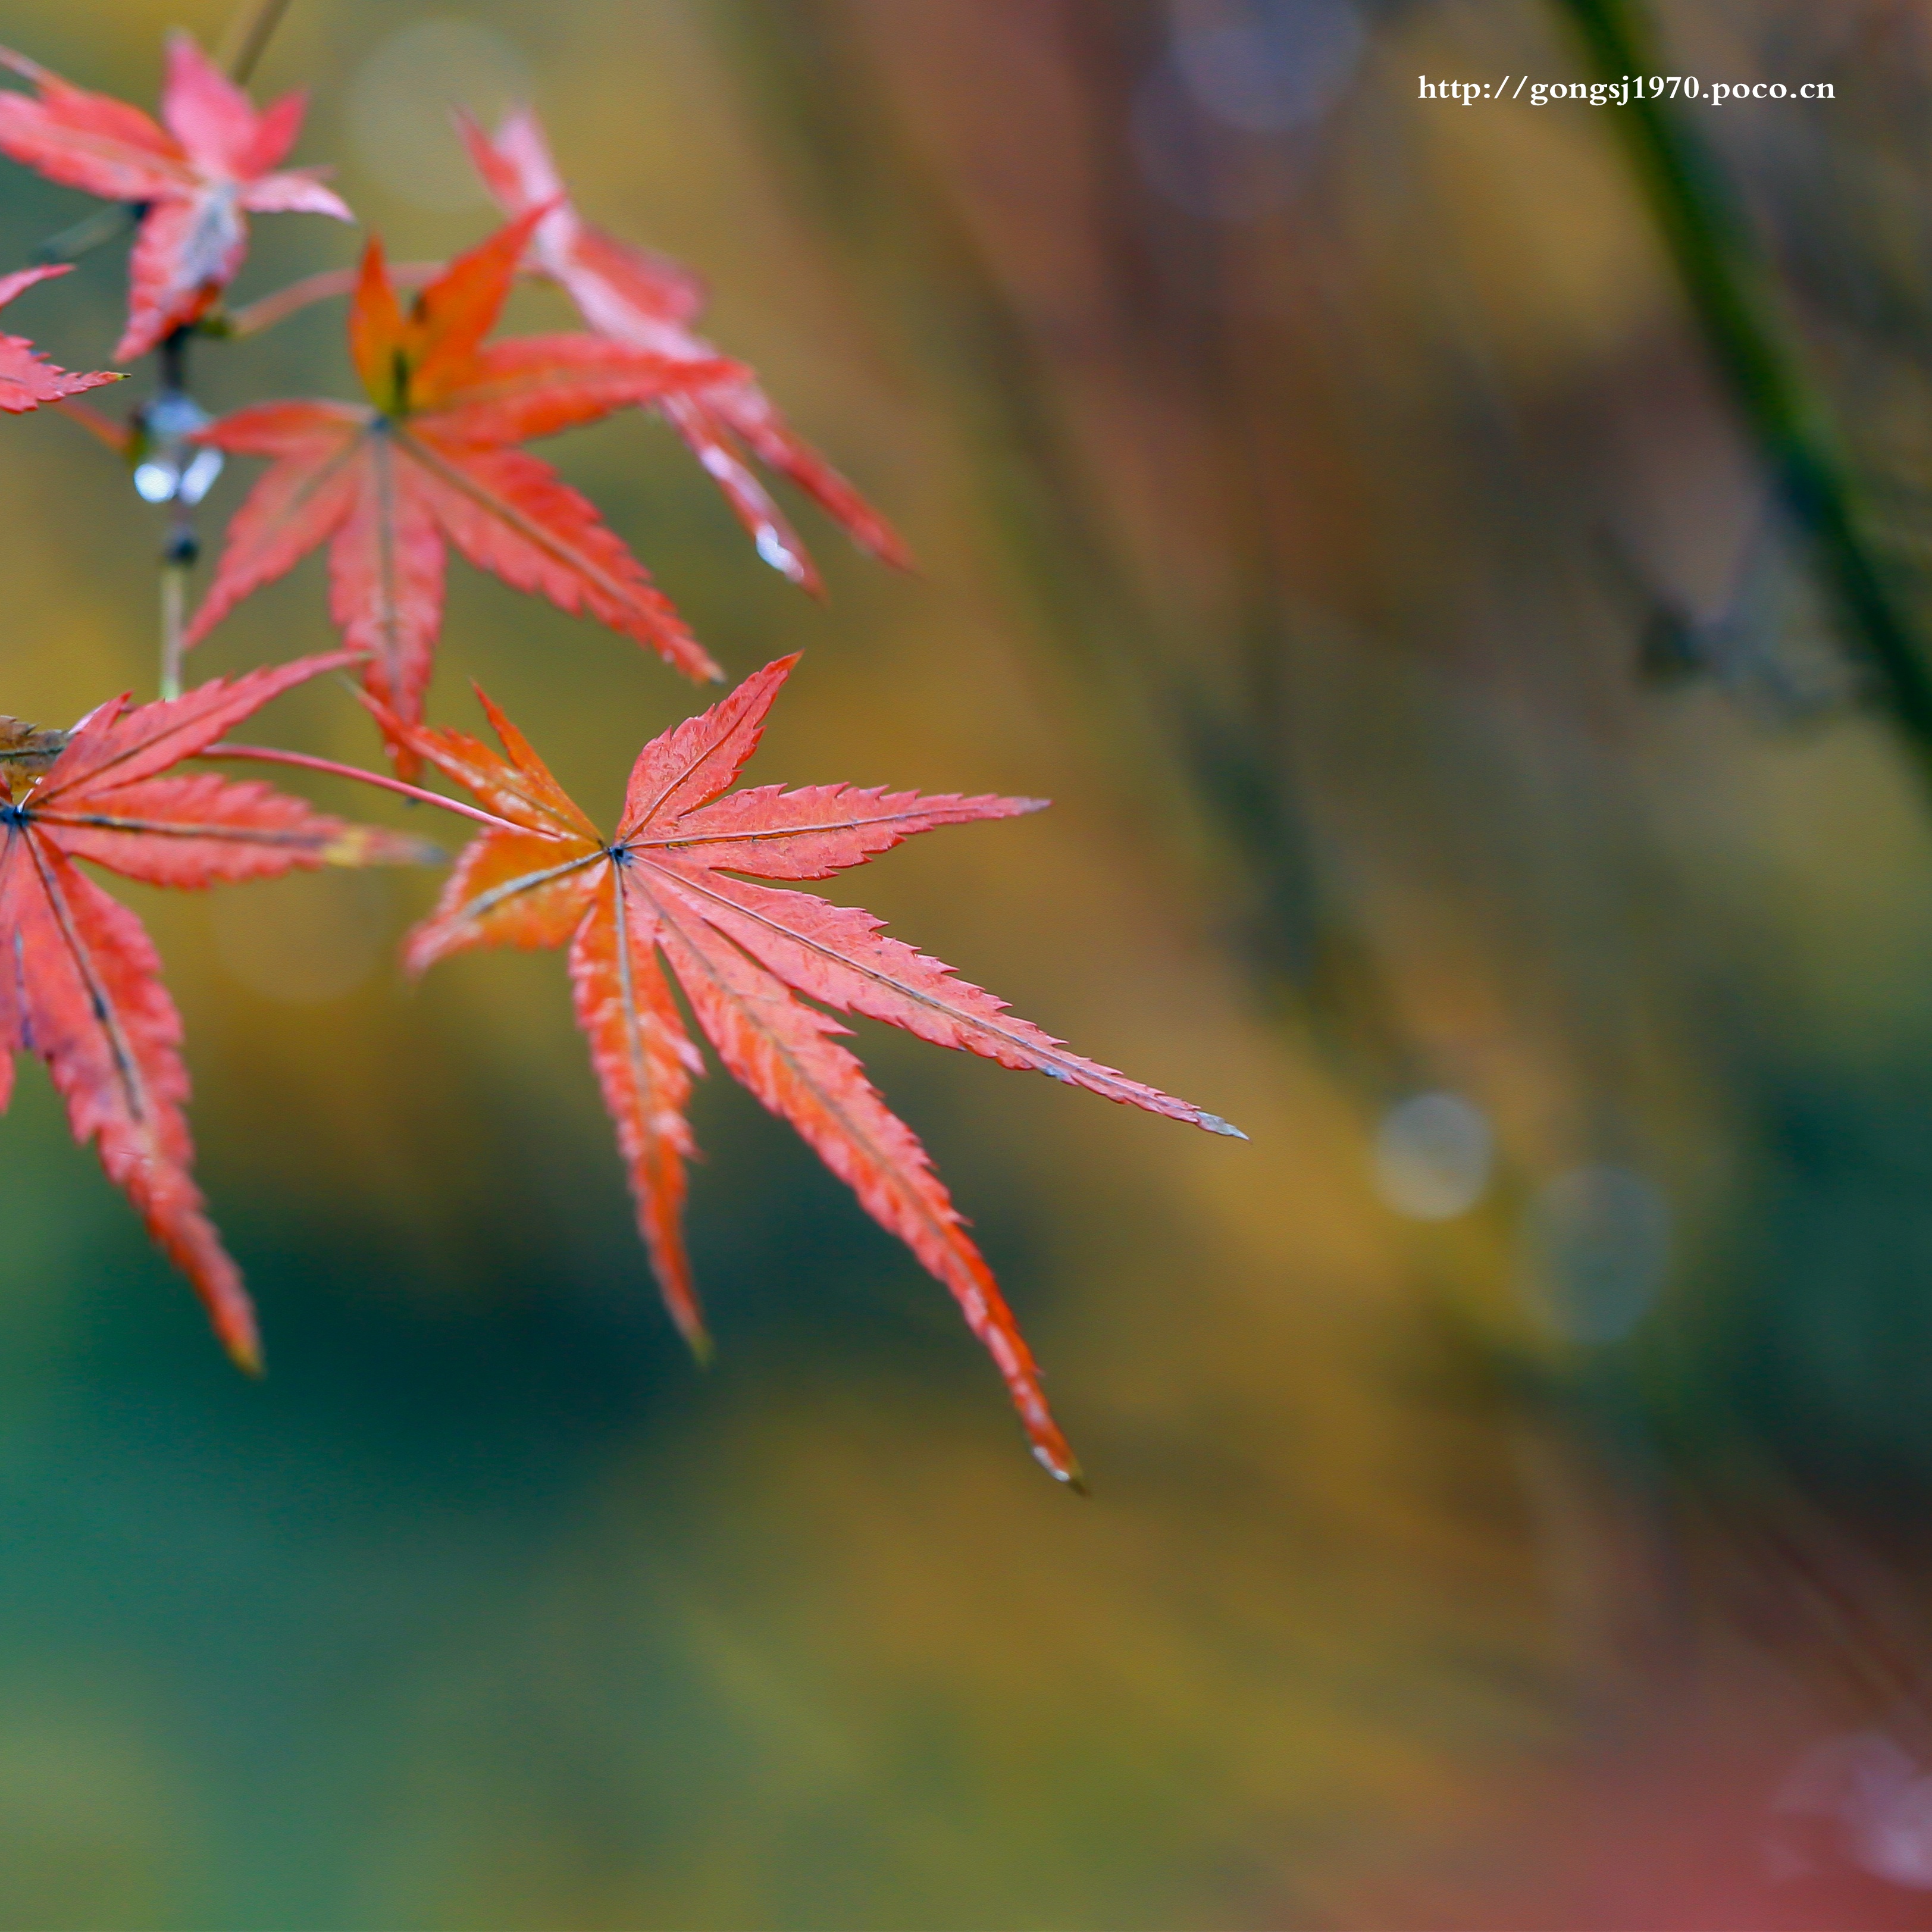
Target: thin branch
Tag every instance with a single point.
(267, 756)
(1710, 241)
(183, 547)
(174, 618)
(248, 37)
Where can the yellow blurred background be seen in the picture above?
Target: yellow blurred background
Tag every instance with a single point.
(1510, 1467)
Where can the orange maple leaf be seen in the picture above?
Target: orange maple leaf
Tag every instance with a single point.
(543, 875)
(429, 462)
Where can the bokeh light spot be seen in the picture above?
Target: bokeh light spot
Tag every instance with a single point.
(1434, 1153)
(1597, 1243)
(1215, 172)
(1264, 66)
(1866, 1801)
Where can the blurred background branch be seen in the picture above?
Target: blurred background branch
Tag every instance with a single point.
(247, 37)
(1738, 308)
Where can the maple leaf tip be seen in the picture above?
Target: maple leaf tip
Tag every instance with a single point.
(1062, 1468)
(1215, 1124)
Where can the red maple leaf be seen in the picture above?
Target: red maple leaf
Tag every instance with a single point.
(199, 177)
(430, 461)
(27, 378)
(543, 876)
(80, 984)
(634, 295)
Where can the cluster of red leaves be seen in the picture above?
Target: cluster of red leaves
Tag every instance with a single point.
(432, 459)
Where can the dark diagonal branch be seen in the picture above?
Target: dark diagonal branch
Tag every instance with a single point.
(1724, 274)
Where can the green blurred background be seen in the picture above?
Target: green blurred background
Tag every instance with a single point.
(1510, 1467)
